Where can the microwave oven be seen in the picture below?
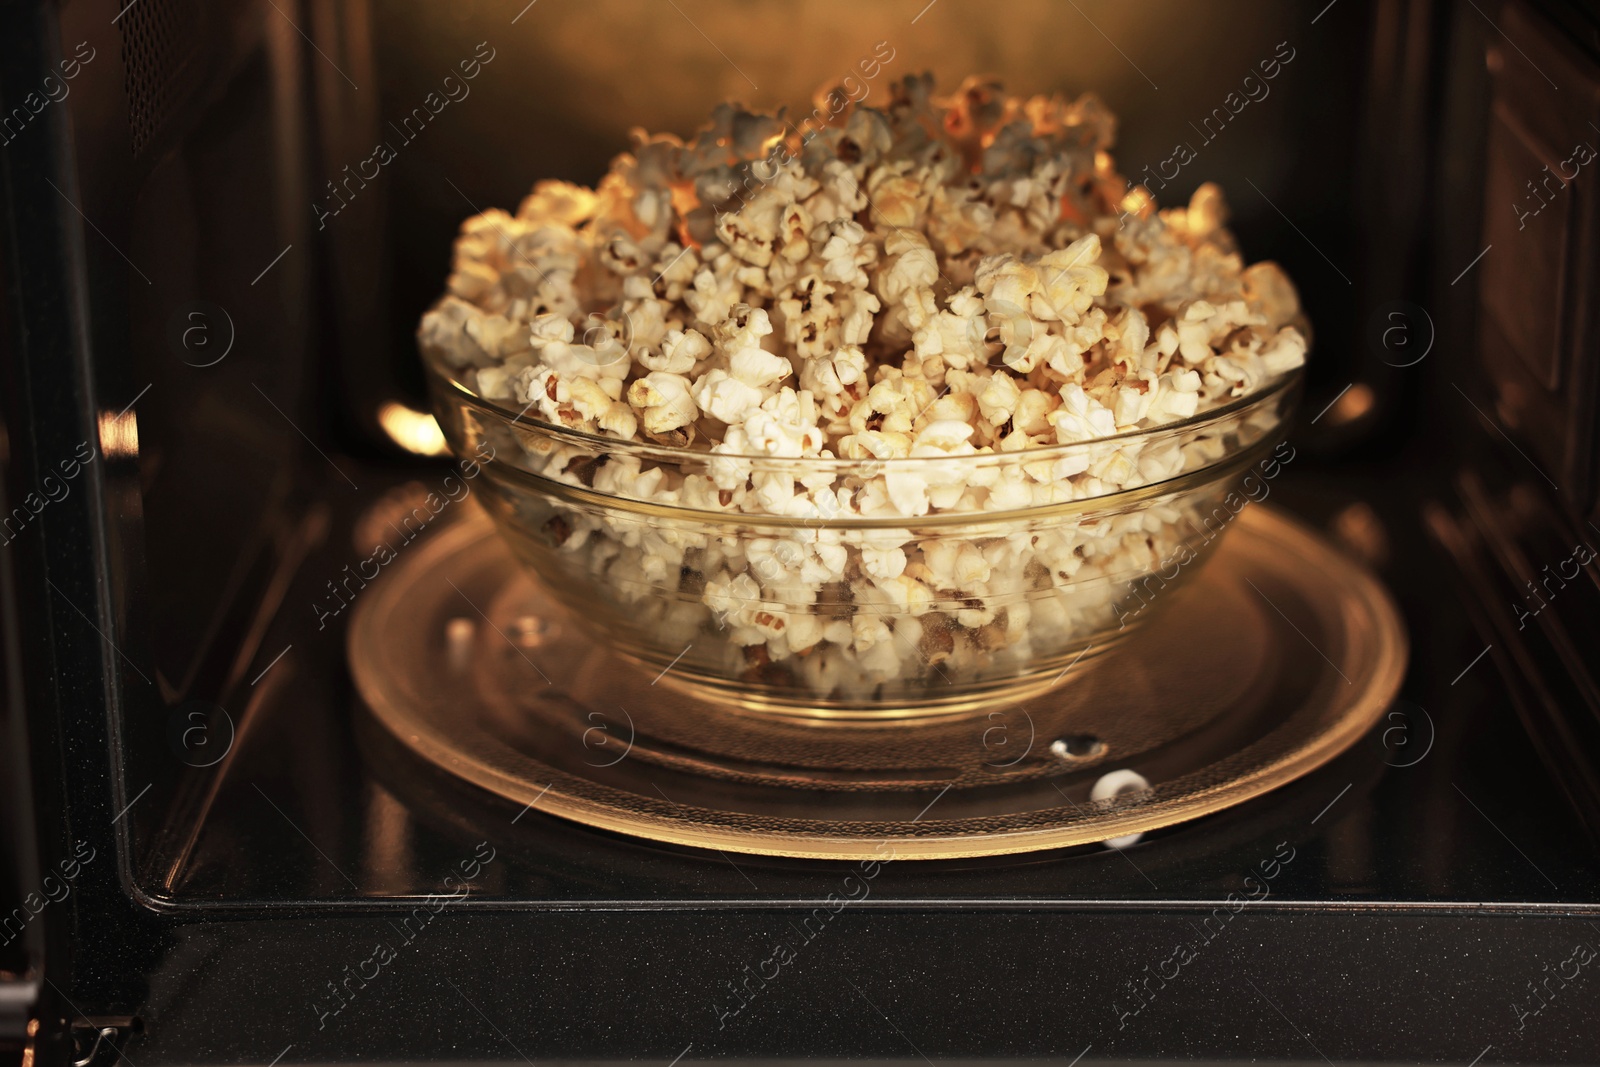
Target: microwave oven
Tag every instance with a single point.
(217, 853)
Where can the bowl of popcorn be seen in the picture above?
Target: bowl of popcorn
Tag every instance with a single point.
(899, 412)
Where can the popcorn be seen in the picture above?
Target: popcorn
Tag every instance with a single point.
(758, 368)
(443, 330)
(1081, 417)
(999, 399)
(726, 398)
(663, 402)
(680, 351)
(932, 291)
(784, 425)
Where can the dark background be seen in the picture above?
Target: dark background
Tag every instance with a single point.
(189, 157)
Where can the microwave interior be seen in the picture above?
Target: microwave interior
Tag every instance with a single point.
(209, 287)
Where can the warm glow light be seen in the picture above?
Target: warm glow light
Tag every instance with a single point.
(1355, 403)
(1137, 201)
(414, 431)
(1361, 531)
(119, 435)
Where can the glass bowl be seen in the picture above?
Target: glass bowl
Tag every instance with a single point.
(824, 613)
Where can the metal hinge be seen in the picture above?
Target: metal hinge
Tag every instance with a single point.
(91, 1037)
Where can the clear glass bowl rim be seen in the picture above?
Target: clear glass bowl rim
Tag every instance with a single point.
(676, 455)
(1229, 464)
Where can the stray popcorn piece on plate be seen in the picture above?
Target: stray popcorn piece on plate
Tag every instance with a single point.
(912, 289)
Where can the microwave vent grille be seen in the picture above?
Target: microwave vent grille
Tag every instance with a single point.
(159, 39)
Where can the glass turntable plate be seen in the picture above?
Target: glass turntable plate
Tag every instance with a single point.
(1277, 656)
